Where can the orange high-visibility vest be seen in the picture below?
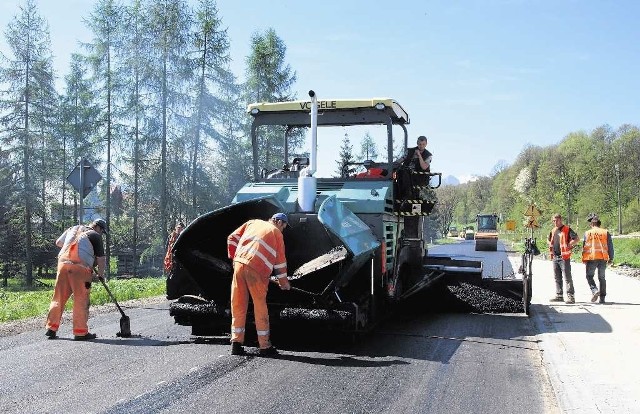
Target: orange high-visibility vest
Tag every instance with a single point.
(260, 245)
(595, 245)
(565, 250)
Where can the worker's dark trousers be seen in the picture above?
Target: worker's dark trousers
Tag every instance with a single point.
(561, 266)
(601, 266)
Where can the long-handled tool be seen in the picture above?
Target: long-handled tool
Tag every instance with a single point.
(335, 255)
(125, 327)
(317, 298)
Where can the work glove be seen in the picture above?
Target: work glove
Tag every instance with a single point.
(284, 284)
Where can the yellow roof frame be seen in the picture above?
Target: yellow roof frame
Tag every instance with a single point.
(391, 106)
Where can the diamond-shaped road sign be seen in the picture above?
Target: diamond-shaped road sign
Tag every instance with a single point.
(90, 179)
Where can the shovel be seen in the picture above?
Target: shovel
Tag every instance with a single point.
(125, 327)
(335, 255)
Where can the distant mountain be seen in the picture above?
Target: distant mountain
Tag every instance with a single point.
(450, 180)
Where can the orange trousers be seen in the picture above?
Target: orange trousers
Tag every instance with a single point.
(76, 279)
(246, 281)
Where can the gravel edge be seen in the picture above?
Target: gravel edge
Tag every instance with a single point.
(38, 322)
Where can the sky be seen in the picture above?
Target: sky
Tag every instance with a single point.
(481, 79)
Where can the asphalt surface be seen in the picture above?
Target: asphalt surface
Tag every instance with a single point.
(564, 358)
(589, 350)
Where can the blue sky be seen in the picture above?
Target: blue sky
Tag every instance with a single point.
(481, 79)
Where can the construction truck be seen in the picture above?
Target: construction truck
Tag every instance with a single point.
(487, 232)
(355, 245)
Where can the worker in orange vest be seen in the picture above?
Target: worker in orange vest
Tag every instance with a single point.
(168, 257)
(257, 250)
(81, 249)
(597, 251)
(561, 240)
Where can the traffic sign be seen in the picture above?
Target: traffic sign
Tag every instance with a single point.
(531, 223)
(84, 175)
(532, 211)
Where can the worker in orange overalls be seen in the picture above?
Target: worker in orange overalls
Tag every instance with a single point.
(257, 250)
(81, 249)
(168, 257)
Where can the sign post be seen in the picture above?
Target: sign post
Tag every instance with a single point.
(83, 178)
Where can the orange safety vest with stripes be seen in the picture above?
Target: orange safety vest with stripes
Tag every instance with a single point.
(260, 245)
(595, 245)
(565, 250)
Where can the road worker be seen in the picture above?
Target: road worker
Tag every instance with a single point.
(418, 157)
(597, 251)
(168, 257)
(561, 240)
(415, 167)
(257, 250)
(81, 250)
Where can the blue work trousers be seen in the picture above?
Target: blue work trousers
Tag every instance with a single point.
(601, 266)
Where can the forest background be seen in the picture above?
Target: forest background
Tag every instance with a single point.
(152, 98)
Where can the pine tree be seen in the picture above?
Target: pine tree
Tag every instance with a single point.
(104, 23)
(346, 158)
(135, 73)
(29, 79)
(368, 148)
(77, 125)
(269, 79)
(212, 76)
(170, 72)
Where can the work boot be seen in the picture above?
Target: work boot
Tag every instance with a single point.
(557, 298)
(268, 352)
(51, 334)
(237, 349)
(570, 299)
(86, 337)
(596, 294)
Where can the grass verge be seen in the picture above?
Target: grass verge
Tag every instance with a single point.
(17, 303)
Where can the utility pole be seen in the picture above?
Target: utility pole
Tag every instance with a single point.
(617, 167)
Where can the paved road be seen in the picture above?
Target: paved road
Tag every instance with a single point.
(590, 351)
(559, 360)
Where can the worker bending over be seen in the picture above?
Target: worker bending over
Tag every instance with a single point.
(257, 250)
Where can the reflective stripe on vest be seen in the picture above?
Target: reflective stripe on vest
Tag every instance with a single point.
(259, 244)
(565, 250)
(595, 245)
